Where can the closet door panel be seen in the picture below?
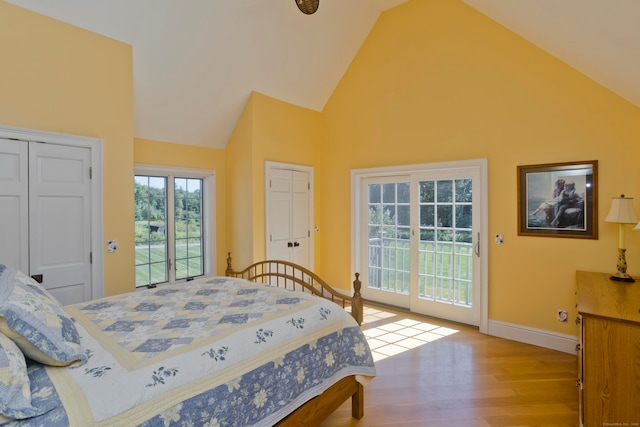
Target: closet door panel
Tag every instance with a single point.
(60, 220)
(14, 204)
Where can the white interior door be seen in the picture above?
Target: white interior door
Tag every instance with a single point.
(60, 220)
(279, 211)
(45, 215)
(300, 224)
(288, 209)
(14, 204)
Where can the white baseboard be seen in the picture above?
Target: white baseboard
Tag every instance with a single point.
(539, 337)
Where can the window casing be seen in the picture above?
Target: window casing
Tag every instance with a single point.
(173, 224)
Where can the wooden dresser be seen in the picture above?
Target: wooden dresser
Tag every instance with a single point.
(609, 353)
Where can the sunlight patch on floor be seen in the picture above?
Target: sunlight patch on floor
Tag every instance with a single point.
(387, 337)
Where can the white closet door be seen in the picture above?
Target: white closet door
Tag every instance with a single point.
(280, 215)
(60, 220)
(289, 205)
(14, 204)
(300, 227)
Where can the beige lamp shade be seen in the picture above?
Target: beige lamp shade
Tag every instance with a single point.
(621, 211)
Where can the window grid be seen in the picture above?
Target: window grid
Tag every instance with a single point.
(389, 237)
(445, 250)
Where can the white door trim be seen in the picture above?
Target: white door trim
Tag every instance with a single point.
(268, 167)
(357, 175)
(97, 225)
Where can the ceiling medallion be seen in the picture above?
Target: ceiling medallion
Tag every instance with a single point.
(308, 6)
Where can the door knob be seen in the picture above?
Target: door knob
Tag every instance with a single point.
(289, 244)
(296, 244)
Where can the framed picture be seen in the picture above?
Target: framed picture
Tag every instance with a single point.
(558, 200)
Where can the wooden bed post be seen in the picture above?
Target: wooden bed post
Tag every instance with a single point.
(229, 268)
(357, 403)
(357, 308)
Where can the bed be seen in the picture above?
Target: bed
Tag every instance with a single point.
(218, 351)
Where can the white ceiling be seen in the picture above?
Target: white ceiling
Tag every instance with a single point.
(197, 61)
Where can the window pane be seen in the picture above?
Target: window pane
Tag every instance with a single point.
(427, 216)
(463, 216)
(374, 193)
(403, 192)
(374, 214)
(404, 215)
(150, 236)
(463, 190)
(188, 227)
(427, 192)
(389, 193)
(445, 191)
(445, 216)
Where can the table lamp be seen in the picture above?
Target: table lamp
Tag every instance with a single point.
(622, 213)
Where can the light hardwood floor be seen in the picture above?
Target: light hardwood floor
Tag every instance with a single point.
(434, 373)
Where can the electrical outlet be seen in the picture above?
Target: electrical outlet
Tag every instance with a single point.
(562, 316)
(499, 239)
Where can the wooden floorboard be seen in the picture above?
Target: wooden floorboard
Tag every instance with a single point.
(436, 373)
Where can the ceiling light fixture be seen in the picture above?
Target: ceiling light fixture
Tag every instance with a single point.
(308, 6)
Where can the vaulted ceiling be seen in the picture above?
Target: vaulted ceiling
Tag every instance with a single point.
(197, 61)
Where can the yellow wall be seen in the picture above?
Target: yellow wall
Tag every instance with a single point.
(437, 81)
(188, 156)
(59, 78)
(239, 206)
(269, 130)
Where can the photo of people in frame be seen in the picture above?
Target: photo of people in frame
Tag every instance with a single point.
(556, 201)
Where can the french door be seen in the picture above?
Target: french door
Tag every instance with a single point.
(420, 242)
(169, 228)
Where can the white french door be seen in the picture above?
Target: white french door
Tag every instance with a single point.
(173, 224)
(447, 247)
(419, 244)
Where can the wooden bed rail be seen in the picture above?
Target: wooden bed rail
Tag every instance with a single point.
(288, 275)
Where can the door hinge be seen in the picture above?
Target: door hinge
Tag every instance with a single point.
(271, 237)
(308, 186)
(90, 172)
(90, 257)
(308, 233)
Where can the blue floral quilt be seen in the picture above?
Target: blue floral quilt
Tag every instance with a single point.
(212, 352)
